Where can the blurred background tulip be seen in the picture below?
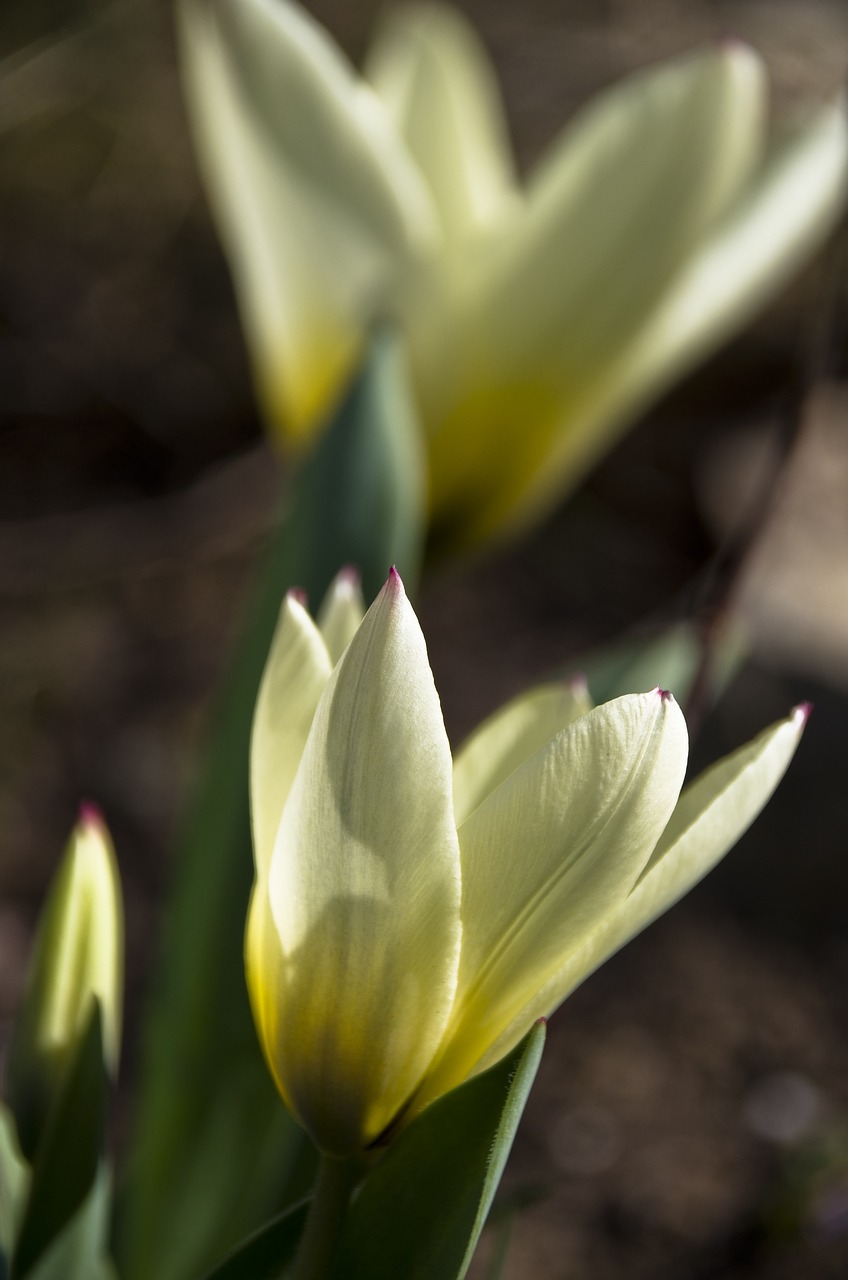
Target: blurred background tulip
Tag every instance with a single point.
(540, 317)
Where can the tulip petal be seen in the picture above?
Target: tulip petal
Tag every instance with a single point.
(364, 887)
(548, 852)
(610, 218)
(320, 209)
(628, 190)
(265, 973)
(787, 210)
(435, 80)
(510, 737)
(713, 812)
(341, 612)
(295, 675)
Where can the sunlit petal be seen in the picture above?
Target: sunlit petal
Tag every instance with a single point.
(713, 812)
(434, 77)
(321, 210)
(341, 613)
(611, 217)
(787, 209)
(365, 886)
(296, 672)
(548, 852)
(509, 737)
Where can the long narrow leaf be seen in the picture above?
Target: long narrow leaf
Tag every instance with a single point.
(420, 1211)
(69, 1154)
(216, 1152)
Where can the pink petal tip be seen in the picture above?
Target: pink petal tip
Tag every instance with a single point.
(802, 712)
(732, 45)
(298, 595)
(89, 814)
(665, 694)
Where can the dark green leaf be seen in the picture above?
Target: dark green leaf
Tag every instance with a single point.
(420, 1211)
(216, 1153)
(78, 1252)
(68, 1156)
(671, 658)
(266, 1254)
(358, 499)
(14, 1183)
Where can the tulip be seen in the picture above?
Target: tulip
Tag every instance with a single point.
(413, 916)
(540, 319)
(78, 960)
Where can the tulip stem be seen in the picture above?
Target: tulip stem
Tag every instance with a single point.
(333, 1186)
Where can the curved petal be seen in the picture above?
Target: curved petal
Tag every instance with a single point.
(264, 968)
(321, 211)
(610, 218)
(435, 80)
(629, 189)
(341, 612)
(365, 887)
(785, 213)
(511, 736)
(554, 849)
(295, 674)
(714, 811)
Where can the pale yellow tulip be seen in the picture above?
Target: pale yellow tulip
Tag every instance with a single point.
(412, 916)
(540, 318)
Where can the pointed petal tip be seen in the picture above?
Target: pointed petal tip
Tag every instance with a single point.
(733, 48)
(577, 683)
(349, 576)
(90, 816)
(394, 582)
(297, 595)
(732, 44)
(665, 694)
(802, 713)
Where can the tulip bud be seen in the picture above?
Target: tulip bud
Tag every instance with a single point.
(78, 958)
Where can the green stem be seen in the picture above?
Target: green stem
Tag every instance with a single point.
(333, 1187)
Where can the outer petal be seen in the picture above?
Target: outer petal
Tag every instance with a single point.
(341, 613)
(321, 211)
(511, 736)
(714, 811)
(365, 887)
(610, 218)
(265, 973)
(296, 672)
(434, 77)
(764, 238)
(549, 854)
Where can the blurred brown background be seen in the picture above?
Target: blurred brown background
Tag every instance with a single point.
(691, 1118)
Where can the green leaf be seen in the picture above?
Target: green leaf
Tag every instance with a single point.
(79, 1250)
(671, 658)
(265, 1254)
(420, 1211)
(69, 1153)
(359, 497)
(14, 1184)
(216, 1153)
